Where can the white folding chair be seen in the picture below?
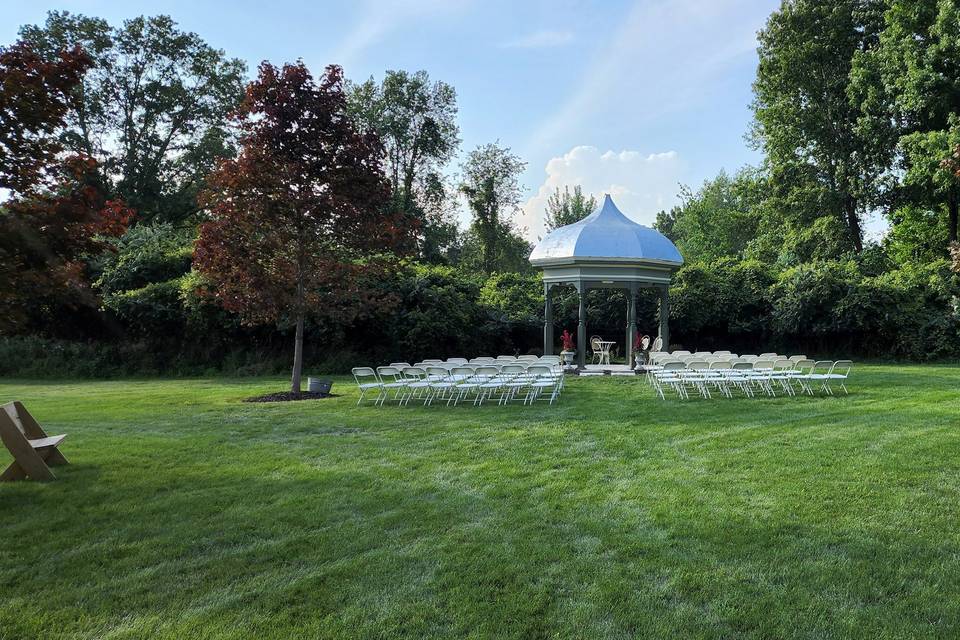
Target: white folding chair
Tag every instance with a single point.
(393, 380)
(440, 383)
(367, 380)
(839, 372)
(416, 378)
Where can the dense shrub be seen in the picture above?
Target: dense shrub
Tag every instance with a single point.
(847, 307)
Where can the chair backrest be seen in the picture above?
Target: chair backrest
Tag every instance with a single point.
(595, 343)
(539, 370)
(441, 373)
(698, 364)
(11, 410)
(657, 344)
(644, 343)
(673, 365)
(768, 354)
(681, 353)
(721, 353)
(804, 366)
(488, 372)
(393, 373)
(823, 366)
(456, 360)
(414, 373)
(703, 353)
(513, 368)
(842, 367)
(527, 358)
(742, 365)
(763, 364)
(507, 358)
(462, 373)
(431, 361)
(400, 365)
(482, 359)
(783, 364)
(364, 373)
(721, 364)
(750, 357)
(798, 358)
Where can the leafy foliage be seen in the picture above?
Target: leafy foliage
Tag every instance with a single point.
(491, 184)
(805, 119)
(416, 121)
(34, 97)
(564, 207)
(719, 220)
(152, 111)
(306, 197)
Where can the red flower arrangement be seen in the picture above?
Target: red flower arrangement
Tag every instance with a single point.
(569, 342)
(638, 342)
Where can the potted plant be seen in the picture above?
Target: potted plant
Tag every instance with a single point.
(569, 347)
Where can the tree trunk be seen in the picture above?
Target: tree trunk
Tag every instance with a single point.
(853, 223)
(953, 203)
(297, 355)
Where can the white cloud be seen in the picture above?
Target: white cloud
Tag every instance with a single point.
(540, 40)
(640, 184)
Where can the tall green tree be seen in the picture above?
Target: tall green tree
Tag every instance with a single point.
(152, 111)
(911, 86)
(805, 119)
(564, 207)
(416, 119)
(490, 182)
(719, 220)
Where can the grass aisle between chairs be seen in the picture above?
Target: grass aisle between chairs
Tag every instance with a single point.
(186, 513)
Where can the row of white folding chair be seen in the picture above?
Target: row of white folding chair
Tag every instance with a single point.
(503, 381)
(431, 381)
(762, 375)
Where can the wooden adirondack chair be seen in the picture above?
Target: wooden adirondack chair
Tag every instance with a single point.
(34, 452)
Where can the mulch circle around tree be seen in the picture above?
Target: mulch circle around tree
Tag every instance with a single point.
(290, 396)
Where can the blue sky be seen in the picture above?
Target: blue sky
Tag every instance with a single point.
(628, 97)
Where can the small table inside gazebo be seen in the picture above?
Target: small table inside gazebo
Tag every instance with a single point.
(606, 250)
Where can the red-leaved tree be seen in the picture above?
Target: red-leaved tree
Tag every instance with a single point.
(295, 218)
(34, 97)
(56, 213)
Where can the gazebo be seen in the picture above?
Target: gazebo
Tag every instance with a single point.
(606, 250)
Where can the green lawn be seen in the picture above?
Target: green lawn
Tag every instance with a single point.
(188, 514)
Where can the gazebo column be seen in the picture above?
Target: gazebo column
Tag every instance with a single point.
(547, 321)
(664, 334)
(582, 326)
(631, 322)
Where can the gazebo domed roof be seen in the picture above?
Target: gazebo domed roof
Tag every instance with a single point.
(606, 235)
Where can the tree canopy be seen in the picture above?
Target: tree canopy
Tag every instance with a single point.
(151, 111)
(293, 218)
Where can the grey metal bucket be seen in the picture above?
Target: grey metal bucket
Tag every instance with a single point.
(316, 385)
